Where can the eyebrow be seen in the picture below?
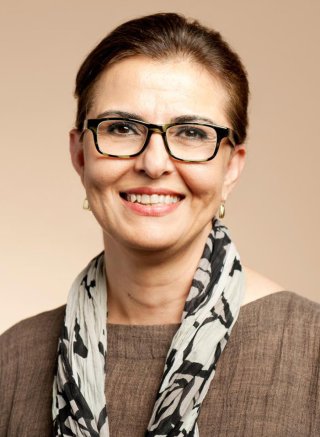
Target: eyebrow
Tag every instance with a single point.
(190, 118)
(116, 113)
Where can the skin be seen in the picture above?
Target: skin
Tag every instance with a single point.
(154, 257)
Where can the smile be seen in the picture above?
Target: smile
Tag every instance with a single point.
(153, 199)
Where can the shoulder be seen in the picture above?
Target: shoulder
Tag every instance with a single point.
(289, 307)
(32, 332)
(269, 310)
(284, 316)
(27, 363)
(274, 298)
(281, 334)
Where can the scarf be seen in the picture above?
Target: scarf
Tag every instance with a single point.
(210, 311)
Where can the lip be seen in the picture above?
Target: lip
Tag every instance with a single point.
(152, 210)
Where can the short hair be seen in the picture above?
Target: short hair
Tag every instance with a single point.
(162, 36)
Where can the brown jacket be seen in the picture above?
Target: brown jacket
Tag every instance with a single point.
(267, 382)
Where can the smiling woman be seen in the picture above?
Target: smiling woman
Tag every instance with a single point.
(163, 334)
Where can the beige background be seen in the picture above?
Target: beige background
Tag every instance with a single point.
(46, 238)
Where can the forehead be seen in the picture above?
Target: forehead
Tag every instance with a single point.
(159, 90)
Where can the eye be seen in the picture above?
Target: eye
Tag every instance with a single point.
(120, 128)
(191, 132)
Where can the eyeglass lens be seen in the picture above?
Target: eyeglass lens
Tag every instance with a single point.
(185, 141)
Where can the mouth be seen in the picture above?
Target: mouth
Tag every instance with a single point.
(151, 199)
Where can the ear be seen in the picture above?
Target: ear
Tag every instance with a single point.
(76, 152)
(234, 167)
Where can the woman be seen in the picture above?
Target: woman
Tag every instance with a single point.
(154, 341)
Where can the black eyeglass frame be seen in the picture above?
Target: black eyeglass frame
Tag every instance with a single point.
(92, 124)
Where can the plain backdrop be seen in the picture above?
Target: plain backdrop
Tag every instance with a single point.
(46, 237)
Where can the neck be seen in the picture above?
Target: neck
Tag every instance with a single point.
(149, 288)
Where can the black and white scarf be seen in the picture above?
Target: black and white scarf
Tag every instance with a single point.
(211, 309)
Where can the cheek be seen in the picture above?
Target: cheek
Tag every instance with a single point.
(204, 181)
(96, 179)
(101, 174)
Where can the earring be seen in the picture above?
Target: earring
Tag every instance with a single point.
(222, 210)
(86, 205)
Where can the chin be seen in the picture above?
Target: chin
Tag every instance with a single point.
(152, 246)
(146, 238)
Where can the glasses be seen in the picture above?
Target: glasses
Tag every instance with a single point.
(127, 138)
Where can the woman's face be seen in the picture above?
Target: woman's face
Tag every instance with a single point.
(156, 92)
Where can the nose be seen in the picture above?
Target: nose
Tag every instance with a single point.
(155, 160)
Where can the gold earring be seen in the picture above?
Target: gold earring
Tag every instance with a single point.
(86, 205)
(222, 210)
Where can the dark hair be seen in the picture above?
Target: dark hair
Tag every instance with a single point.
(166, 35)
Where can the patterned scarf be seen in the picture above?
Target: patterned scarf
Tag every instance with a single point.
(211, 309)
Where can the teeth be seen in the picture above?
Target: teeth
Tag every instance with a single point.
(146, 199)
(154, 198)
